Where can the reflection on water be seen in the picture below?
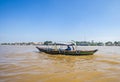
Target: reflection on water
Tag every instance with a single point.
(26, 64)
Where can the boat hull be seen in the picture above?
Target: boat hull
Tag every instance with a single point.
(65, 52)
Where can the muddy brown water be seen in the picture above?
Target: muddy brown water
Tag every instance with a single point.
(26, 64)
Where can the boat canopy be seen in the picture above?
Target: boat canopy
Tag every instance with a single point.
(63, 44)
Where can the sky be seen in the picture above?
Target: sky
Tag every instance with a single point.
(59, 20)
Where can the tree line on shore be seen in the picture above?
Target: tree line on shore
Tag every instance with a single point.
(78, 43)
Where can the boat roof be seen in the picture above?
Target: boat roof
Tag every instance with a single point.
(64, 44)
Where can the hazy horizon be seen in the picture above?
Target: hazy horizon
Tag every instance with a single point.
(59, 20)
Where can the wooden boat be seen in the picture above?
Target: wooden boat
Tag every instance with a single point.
(66, 52)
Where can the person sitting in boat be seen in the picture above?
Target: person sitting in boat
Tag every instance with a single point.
(68, 48)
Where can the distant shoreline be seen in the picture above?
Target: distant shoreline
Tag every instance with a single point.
(78, 43)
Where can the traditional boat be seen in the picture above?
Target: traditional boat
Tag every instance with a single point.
(66, 52)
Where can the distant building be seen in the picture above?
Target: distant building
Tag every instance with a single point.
(38, 43)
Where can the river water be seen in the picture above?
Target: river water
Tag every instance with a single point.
(26, 64)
